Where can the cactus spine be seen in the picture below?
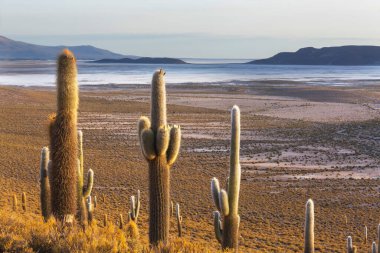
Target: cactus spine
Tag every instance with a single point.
(179, 220)
(44, 184)
(160, 145)
(309, 227)
(63, 139)
(83, 192)
(135, 207)
(227, 202)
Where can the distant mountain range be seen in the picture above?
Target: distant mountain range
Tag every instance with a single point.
(344, 55)
(17, 50)
(143, 60)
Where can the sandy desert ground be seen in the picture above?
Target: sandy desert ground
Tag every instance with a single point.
(298, 142)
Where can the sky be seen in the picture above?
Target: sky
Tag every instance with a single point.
(248, 29)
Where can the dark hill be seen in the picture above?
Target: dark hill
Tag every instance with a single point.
(17, 50)
(344, 55)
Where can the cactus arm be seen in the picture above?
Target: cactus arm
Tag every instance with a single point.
(215, 192)
(218, 227)
(223, 203)
(174, 144)
(158, 105)
(309, 227)
(80, 144)
(90, 183)
(147, 144)
(144, 123)
(235, 171)
(162, 140)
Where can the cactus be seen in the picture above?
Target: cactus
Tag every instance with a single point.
(374, 247)
(23, 201)
(309, 227)
(63, 140)
(83, 192)
(160, 146)
(105, 220)
(95, 201)
(90, 210)
(179, 220)
(44, 184)
(135, 207)
(365, 235)
(14, 202)
(350, 247)
(227, 232)
(121, 221)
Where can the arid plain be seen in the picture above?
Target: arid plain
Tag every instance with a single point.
(298, 142)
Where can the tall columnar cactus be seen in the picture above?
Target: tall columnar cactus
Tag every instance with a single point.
(309, 227)
(135, 207)
(64, 141)
(44, 184)
(227, 201)
(83, 192)
(160, 144)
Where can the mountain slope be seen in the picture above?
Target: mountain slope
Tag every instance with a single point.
(17, 50)
(344, 55)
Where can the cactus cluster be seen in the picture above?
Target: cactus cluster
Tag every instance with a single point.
(83, 192)
(227, 201)
(62, 190)
(160, 144)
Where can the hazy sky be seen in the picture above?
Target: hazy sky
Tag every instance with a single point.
(193, 28)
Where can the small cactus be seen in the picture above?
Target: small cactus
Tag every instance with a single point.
(309, 227)
(374, 247)
(121, 221)
(135, 207)
(24, 202)
(63, 139)
(365, 235)
(90, 210)
(44, 184)
(14, 202)
(160, 144)
(83, 192)
(95, 201)
(350, 247)
(227, 201)
(179, 220)
(105, 220)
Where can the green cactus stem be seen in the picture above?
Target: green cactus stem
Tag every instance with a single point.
(45, 184)
(160, 144)
(309, 227)
(227, 219)
(63, 140)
